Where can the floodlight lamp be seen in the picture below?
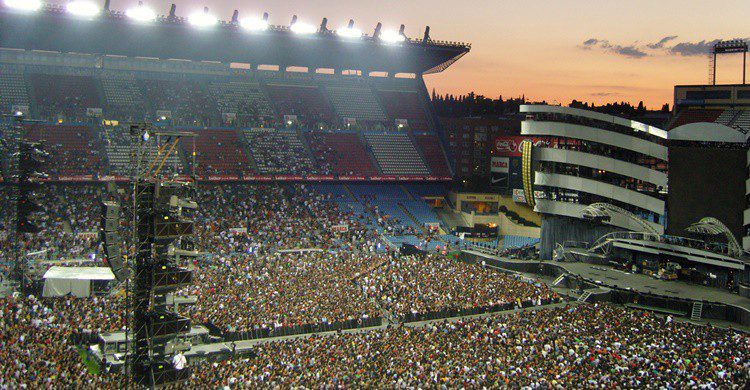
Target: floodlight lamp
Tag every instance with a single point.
(303, 28)
(141, 13)
(349, 32)
(24, 5)
(391, 36)
(253, 24)
(82, 8)
(289, 123)
(145, 137)
(18, 113)
(163, 118)
(202, 19)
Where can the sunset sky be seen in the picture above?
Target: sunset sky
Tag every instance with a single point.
(557, 50)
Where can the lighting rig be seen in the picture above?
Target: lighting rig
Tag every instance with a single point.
(162, 236)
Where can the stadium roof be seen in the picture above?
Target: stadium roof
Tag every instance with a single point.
(112, 33)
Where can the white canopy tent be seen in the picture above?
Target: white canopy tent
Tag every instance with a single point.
(60, 281)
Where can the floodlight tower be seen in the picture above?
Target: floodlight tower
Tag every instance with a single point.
(734, 46)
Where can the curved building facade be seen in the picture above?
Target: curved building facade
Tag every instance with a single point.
(592, 164)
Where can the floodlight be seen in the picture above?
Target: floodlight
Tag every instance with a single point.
(19, 113)
(349, 32)
(141, 13)
(145, 137)
(303, 28)
(202, 19)
(391, 36)
(24, 5)
(82, 8)
(253, 24)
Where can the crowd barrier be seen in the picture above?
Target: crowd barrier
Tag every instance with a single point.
(448, 313)
(268, 332)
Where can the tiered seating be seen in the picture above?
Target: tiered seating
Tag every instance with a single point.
(117, 146)
(743, 120)
(245, 99)
(65, 95)
(220, 152)
(421, 211)
(694, 116)
(12, 88)
(122, 95)
(189, 101)
(306, 102)
(341, 154)
(359, 103)
(726, 117)
(396, 154)
(433, 153)
(405, 105)
(337, 192)
(74, 150)
(278, 152)
(378, 191)
(430, 189)
(518, 241)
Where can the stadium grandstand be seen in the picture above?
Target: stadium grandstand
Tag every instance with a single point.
(322, 243)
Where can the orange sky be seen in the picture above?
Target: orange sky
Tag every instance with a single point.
(535, 47)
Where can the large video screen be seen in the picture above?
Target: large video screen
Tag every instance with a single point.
(706, 182)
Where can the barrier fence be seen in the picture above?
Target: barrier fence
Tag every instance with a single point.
(267, 332)
(440, 314)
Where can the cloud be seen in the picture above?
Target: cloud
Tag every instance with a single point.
(662, 42)
(630, 51)
(691, 49)
(604, 94)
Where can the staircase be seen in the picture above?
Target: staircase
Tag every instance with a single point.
(697, 312)
(559, 280)
(411, 216)
(585, 296)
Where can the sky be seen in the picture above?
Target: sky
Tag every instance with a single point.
(555, 50)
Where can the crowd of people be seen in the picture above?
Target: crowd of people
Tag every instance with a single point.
(279, 256)
(585, 346)
(435, 283)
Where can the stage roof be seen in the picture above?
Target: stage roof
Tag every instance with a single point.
(112, 33)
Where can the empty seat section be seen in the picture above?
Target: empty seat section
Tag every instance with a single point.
(117, 145)
(421, 211)
(433, 153)
(219, 152)
(245, 99)
(306, 102)
(743, 120)
(279, 152)
(396, 154)
(430, 189)
(358, 103)
(341, 154)
(123, 96)
(74, 150)
(12, 88)
(405, 105)
(337, 192)
(693, 116)
(378, 191)
(189, 101)
(65, 95)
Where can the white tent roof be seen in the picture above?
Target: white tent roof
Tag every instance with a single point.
(79, 273)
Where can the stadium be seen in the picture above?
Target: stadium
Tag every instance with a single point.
(190, 202)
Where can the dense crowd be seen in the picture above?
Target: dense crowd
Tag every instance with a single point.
(38, 340)
(436, 283)
(587, 346)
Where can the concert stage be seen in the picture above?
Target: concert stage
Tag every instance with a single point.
(604, 283)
